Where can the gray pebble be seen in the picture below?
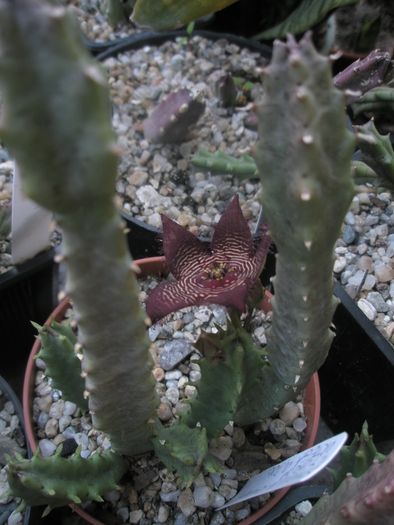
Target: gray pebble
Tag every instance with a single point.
(47, 448)
(349, 234)
(174, 352)
(299, 425)
(378, 302)
(203, 497)
(170, 496)
(277, 427)
(42, 420)
(123, 514)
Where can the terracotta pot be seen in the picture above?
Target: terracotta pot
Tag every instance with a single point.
(158, 266)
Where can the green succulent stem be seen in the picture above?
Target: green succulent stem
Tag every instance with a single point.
(57, 124)
(57, 481)
(303, 157)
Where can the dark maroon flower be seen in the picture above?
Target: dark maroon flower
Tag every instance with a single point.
(224, 275)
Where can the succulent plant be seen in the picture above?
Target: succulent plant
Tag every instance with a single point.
(363, 75)
(56, 124)
(62, 360)
(376, 154)
(60, 481)
(377, 100)
(363, 487)
(220, 163)
(226, 91)
(357, 457)
(171, 119)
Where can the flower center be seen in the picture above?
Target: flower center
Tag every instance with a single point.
(216, 271)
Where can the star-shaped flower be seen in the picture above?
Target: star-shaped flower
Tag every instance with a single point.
(226, 274)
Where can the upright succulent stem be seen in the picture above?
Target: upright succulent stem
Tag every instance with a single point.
(56, 122)
(303, 158)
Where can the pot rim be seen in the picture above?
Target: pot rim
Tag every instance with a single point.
(158, 265)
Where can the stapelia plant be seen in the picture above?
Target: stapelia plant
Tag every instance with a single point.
(56, 123)
(364, 488)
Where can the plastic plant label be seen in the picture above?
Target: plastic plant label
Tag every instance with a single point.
(294, 470)
(30, 224)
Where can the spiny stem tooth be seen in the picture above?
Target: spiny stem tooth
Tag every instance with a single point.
(55, 12)
(295, 59)
(135, 267)
(366, 138)
(59, 258)
(335, 56)
(61, 295)
(301, 93)
(307, 139)
(116, 149)
(94, 73)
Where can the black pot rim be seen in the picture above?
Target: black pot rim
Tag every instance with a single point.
(154, 39)
(294, 496)
(26, 269)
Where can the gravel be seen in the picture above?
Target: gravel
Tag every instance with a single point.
(12, 439)
(93, 21)
(365, 257)
(156, 178)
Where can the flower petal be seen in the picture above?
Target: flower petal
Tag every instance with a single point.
(262, 249)
(185, 253)
(232, 237)
(168, 297)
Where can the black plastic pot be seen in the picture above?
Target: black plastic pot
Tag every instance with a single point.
(306, 492)
(357, 377)
(144, 240)
(6, 389)
(27, 293)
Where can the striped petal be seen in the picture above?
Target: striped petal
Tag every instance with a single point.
(232, 237)
(169, 297)
(185, 253)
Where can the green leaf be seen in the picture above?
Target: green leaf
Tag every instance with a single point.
(162, 15)
(220, 163)
(307, 14)
(365, 39)
(190, 29)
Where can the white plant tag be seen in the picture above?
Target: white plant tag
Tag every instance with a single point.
(30, 224)
(296, 469)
